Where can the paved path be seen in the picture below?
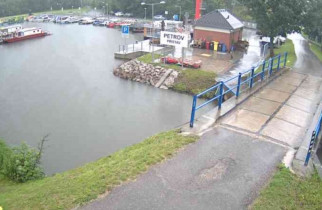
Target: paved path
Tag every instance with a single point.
(228, 166)
(281, 112)
(224, 170)
(307, 62)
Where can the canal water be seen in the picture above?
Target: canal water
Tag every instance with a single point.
(63, 85)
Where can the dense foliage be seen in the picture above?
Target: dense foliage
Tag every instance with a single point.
(20, 164)
(312, 20)
(277, 17)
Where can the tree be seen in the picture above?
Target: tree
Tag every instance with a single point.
(276, 17)
(312, 20)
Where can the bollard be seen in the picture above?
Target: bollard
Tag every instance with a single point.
(193, 111)
(252, 78)
(263, 71)
(221, 96)
(238, 85)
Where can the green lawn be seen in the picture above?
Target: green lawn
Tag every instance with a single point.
(193, 81)
(78, 186)
(287, 47)
(316, 50)
(288, 191)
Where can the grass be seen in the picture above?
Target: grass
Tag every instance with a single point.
(78, 186)
(288, 47)
(316, 50)
(288, 191)
(190, 81)
(194, 81)
(147, 58)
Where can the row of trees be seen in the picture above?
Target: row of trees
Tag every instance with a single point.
(278, 17)
(15, 7)
(273, 16)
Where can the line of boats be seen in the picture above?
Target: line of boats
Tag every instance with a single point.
(135, 25)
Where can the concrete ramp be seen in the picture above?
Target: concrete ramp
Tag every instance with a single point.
(281, 111)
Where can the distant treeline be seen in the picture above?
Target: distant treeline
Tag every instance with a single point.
(16, 7)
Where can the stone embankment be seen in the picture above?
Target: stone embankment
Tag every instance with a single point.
(146, 73)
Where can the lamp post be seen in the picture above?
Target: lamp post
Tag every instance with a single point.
(179, 12)
(152, 4)
(108, 15)
(144, 13)
(105, 6)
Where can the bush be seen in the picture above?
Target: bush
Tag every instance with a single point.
(4, 152)
(20, 164)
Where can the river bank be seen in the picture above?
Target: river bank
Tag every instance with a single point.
(165, 76)
(77, 186)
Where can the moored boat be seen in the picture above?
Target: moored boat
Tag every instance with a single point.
(27, 33)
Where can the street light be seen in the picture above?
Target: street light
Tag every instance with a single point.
(180, 11)
(105, 6)
(152, 4)
(144, 13)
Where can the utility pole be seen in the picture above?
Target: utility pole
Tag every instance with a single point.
(152, 4)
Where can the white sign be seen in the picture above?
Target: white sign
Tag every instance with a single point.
(174, 39)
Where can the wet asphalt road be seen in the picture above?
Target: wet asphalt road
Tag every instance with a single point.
(307, 62)
(224, 170)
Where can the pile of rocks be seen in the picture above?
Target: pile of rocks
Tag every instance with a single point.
(146, 73)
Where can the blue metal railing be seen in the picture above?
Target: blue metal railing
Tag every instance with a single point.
(262, 69)
(315, 135)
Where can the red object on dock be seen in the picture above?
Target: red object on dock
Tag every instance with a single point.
(207, 45)
(169, 60)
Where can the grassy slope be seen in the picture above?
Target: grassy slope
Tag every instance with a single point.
(190, 81)
(194, 81)
(77, 186)
(287, 47)
(316, 50)
(288, 191)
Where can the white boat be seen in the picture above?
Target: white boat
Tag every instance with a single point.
(86, 20)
